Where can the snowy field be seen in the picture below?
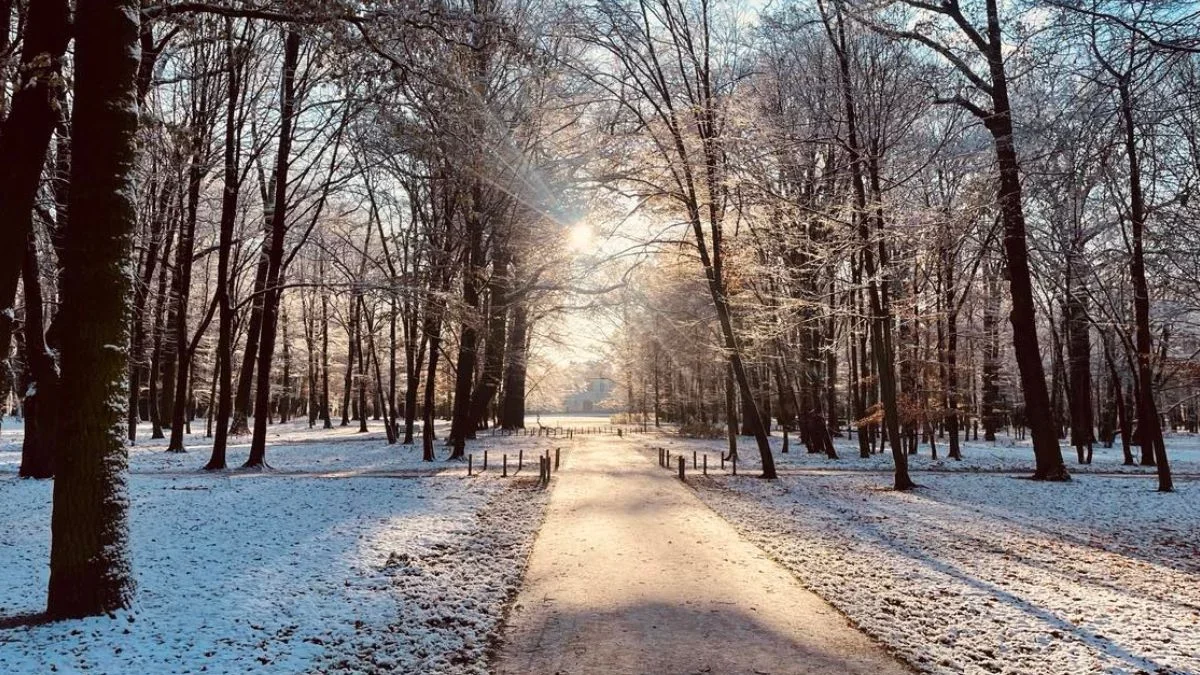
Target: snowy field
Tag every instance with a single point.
(334, 561)
(986, 573)
(1003, 456)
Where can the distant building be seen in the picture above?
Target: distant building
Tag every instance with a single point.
(592, 397)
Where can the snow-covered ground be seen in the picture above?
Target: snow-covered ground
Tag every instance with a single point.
(333, 570)
(1004, 455)
(986, 573)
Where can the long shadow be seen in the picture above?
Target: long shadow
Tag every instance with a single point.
(695, 637)
(874, 534)
(1110, 540)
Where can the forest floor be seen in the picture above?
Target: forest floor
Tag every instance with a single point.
(632, 574)
(978, 571)
(332, 561)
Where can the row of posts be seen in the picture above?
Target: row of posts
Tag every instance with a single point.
(699, 462)
(546, 465)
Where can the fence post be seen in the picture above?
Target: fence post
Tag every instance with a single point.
(693, 459)
(485, 460)
(470, 462)
(521, 459)
(706, 465)
(556, 458)
(505, 474)
(682, 463)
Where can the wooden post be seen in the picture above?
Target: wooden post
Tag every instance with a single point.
(722, 461)
(556, 457)
(485, 460)
(668, 459)
(470, 468)
(520, 459)
(505, 474)
(693, 459)
(706, 465)
(682, 464)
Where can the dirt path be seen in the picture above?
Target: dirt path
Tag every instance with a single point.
(631, 573)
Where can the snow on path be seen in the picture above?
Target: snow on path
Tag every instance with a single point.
(632, 574)
(989, 574)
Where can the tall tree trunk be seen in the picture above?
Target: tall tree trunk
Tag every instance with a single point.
(1148, 421)
(161, 300)
(433, 329)
(141, 294)
(181, 286)
(273, 294)
(496, 344)
(1047, 453)
(881, 321)
(326, 419)
(461, 427)
(229, 205)
(89, 555)
(512, 406)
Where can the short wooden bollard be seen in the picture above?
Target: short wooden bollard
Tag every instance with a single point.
(668, 459)
(706, 465)
(520, 460)
(485, 460)
(722, 461)
(556, 458)
(469, 464)
(694, 459)
(682, 464)
(505, 472)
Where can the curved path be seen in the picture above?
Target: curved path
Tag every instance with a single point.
(631, 573)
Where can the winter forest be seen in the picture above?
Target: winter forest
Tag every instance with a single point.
(904, 295)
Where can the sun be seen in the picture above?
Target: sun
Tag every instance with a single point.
(580, 237)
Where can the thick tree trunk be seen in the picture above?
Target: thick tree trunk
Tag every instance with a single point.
(1047, 453)
(461, 426)
(89, 555)
(496, 344)
(512, 405)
